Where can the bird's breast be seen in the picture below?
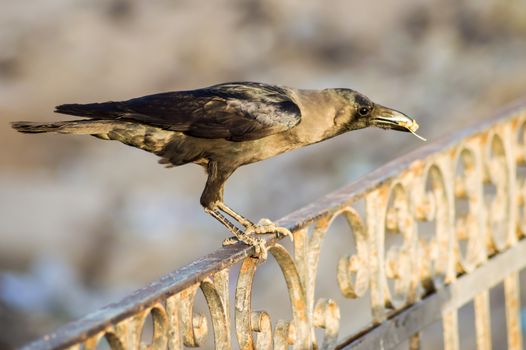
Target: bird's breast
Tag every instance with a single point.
(245, 152)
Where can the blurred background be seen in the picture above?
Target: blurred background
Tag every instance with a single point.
(84, 221)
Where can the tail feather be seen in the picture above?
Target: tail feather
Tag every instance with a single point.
(64, 127)
(148, 138)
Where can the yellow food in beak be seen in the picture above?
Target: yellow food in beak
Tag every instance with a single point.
(387, 118)
(412, 126)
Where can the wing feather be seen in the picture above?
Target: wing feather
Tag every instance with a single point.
(233, 111)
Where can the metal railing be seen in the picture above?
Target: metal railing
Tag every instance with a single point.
(469, 185)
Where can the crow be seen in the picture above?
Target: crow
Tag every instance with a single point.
(223, 127)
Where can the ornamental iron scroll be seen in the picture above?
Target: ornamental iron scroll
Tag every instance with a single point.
(353, 272)
(469, 225)
(434, 203)
(401, 261)
(500, 226)
(440, 227)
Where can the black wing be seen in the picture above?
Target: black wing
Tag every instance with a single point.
(233, 111)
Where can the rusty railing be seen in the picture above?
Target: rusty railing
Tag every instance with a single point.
(409, 279)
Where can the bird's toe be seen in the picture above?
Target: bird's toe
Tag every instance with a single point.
(261, 250)
(284, 232)
(259, 244)
(264, 222)
(230, 241)
(266, 226)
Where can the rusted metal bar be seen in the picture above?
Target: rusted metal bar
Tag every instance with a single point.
(422, 277)
(482, 320)
(513, 308)
(414, 342)
(450, 326)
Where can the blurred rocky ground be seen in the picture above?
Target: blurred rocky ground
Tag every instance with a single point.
(83, 221)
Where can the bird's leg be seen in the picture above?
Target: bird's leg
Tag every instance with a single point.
(239, 236)
(238, 217)
(213, 194)
(212, 201)
(264, 226)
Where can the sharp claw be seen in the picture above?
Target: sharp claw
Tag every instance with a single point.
(283, 232)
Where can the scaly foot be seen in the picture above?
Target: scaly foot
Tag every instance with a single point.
(265, 226)
(260, 247)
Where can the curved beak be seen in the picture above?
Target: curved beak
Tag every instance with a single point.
(387, 118)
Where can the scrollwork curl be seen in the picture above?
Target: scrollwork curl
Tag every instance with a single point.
(469, 240)
(433, 202)
(400, 259)
(353, 270)
(499, 223)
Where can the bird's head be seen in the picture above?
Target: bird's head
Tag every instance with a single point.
(363, 113)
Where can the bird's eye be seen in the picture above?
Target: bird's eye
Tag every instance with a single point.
(364, 111)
